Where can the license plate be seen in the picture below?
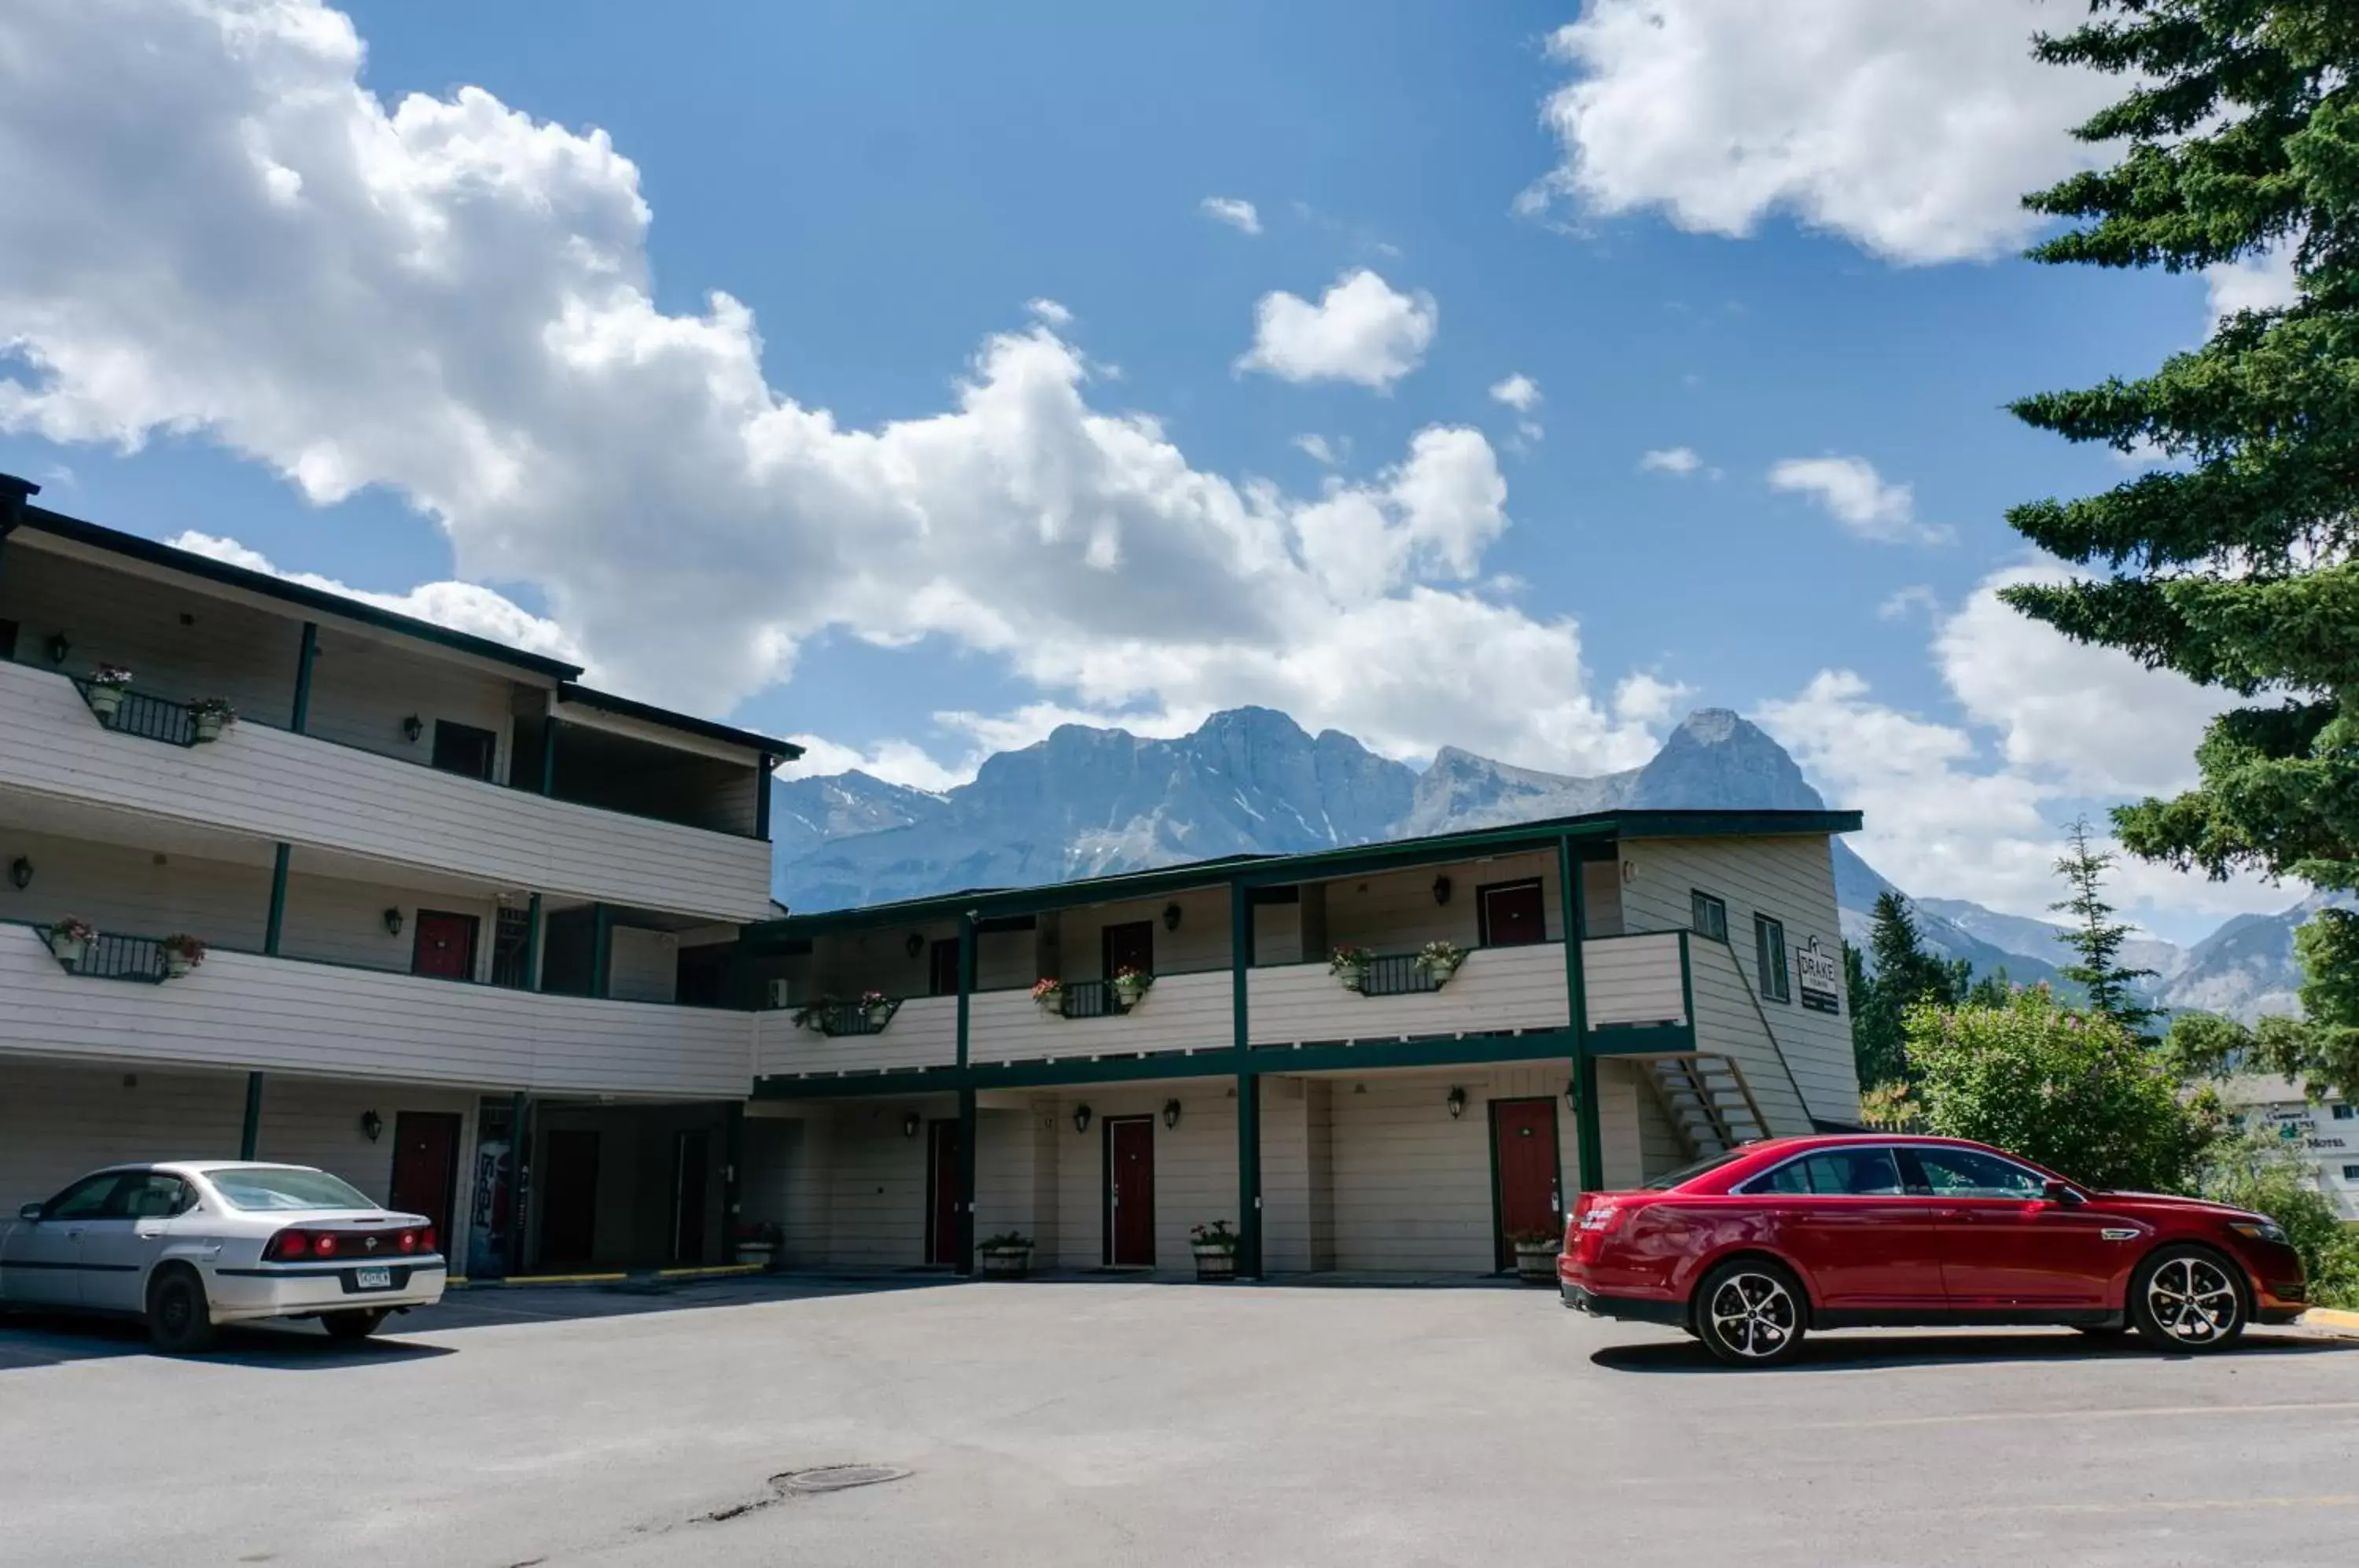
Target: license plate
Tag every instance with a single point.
(372, 1278)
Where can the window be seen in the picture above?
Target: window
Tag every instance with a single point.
(1130, 945)
(1686, 1173)
(463, 749)
(288, 1187)
(2341, 1111)
(2351, 1173)
(1769, 951)
(1970, 1173)
(85, 1200)
(1708, 916)
(1510, 914)
(148, 1195)
(1845, 1173)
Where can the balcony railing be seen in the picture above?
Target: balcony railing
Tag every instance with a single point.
(835, 1019)
(1091, 999)
(1398, 975)
(108, 956)
(146, 716)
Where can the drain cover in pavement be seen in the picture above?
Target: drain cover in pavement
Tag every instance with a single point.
(836, 1477)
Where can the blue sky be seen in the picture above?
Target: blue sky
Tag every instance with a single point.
(886, 190)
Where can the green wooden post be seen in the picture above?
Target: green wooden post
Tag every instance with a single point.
(532, 944)
(968, 1116)
(602, 949)
(1241, 944)
(249, 1137)
(548, 755)
(762, 798)
(301, 717)
(1589, 1127)
(274, 924)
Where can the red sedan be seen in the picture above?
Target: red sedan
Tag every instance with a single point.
(1751, 1249)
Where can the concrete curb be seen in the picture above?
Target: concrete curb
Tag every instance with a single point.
(2332, 1320)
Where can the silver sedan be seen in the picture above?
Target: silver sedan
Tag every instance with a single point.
(189, 1244)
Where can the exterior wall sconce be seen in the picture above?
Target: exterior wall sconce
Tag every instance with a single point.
(372, 1124)
(1572, 1095)
(1457, 1101)
(58, 648)
(412, 727)
(913, 944)
(20, 873)
(1441, 889)
(393, 922)
(1170, 917)
(1171, 1114)
(1081, 1118)
(909, 1124)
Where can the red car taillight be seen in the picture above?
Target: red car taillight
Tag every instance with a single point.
(426, 1240)
(407, 1241)
(288, 1245)
(323, 1245)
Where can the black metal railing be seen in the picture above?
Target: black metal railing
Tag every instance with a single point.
(833, 1018)
(108, 956)
(1091, 999)
(1398, 975)
(147, 717)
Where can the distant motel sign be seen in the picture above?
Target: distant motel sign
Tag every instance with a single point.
(1821, 974)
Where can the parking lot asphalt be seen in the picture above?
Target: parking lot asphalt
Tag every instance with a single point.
(1117, 1422)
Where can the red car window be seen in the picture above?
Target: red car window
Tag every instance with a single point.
(1970, 1173)
(1842, 1172)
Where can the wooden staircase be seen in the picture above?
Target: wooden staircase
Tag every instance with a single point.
(1707, 1101)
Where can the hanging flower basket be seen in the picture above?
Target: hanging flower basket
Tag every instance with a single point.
(876, 1007)
(1535, 1253)
(1129, 985)
(70, 939)
(1215, 1247)
(1350, 966)
(107, 684)
(1439, 960)
(208, 717)
(1006, 1257)
(181, 954)
(1049, 995)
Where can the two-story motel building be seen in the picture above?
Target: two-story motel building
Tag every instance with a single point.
(448, 893)
(456, 903)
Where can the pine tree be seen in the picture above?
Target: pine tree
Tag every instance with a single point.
(1905, 976)
(2098, 937)
(2237, 564)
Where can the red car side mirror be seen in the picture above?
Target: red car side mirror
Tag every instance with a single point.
(2063, 1193)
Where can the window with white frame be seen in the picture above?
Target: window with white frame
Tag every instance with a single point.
(1708, 915)
(1769, 952)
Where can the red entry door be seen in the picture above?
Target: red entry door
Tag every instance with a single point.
(1130, 1191)
(1514, 914)
(445, 946)
(425, 1167)
(1531, 1189)
(943, 1223)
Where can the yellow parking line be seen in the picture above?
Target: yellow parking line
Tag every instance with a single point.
(2330, 1317)
(714, 1272)
(563, 1278)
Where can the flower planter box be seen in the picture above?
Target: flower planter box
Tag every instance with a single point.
(1006, 1263)
(176, 965)
(205, 727)
(1536, 1263)
(1352, 978)
(1215, 1263)
(69, 949)
(105, 701)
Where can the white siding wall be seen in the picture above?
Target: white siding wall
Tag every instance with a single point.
(923, 1033)
(1393, 911)
(1179, 1012)
(1287, 1175)
(1729, 1021)
(1634, 980)
(878, 1197)
(1789, 880)
(58, 1122)
(1195, 1166)
(241, 1011)
(1201, 942)
(304, 791)
(644, 965)
(1504, 987)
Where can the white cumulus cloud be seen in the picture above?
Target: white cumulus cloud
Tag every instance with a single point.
(1518, 392)
(1911, 127)
(443, 296)
(1849, 490)
(1240, 215)
(1362, 330)
(1680, 461)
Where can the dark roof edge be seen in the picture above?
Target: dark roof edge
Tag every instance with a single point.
(574, 692)
(1273, 869)
(116, 542)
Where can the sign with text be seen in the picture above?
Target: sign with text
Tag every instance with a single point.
(1820, 976)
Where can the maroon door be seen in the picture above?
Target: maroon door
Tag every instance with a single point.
(1130, 945)
(567, 1184)
(425, 1167)
(1513, 914)
(1530, 1191)
(942, 1223)
(1130, 1191)
(445, 946)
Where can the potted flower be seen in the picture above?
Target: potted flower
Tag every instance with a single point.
(108, 682)
(876, 1007)
(1215, 1247)
(1049, 995)
(1350, 964)
(817, 1013)
(1007, 1255)
(182, 953)
(757, 1242)
(71, 937)
(1130, 985)
(1535, 1253)
(208, 717)
(1440, 960)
